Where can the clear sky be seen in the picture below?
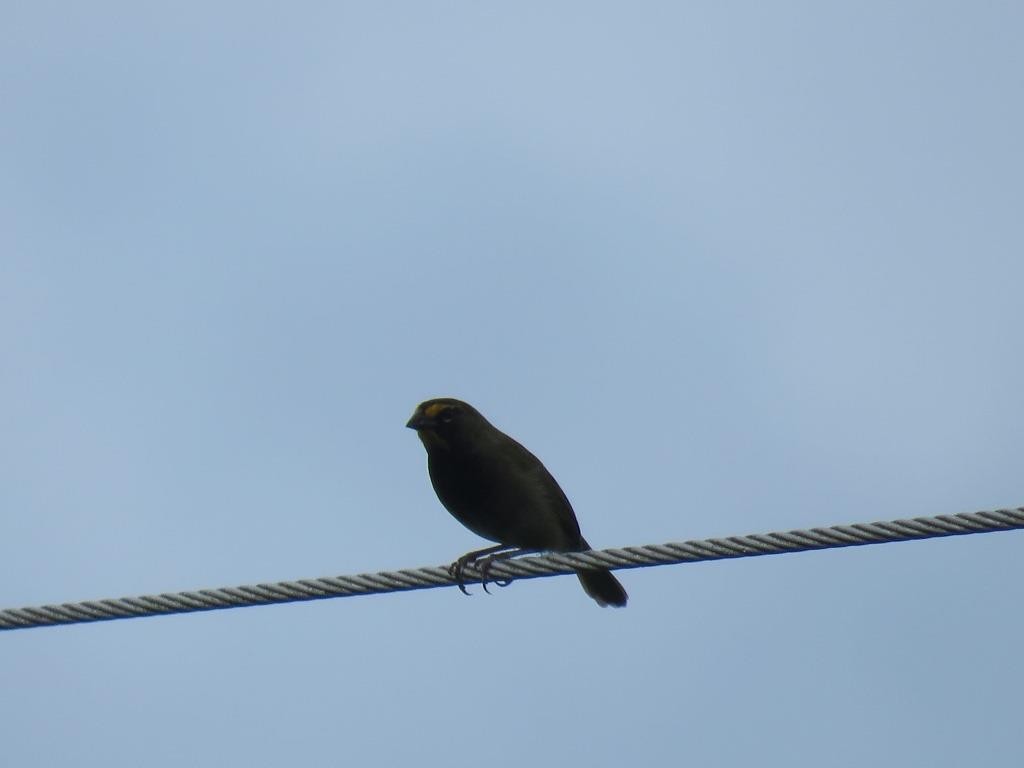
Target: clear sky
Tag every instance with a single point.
(725, 267)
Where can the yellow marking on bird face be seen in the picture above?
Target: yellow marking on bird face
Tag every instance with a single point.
(433, 410)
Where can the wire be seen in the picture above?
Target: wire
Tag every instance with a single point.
(522, 568)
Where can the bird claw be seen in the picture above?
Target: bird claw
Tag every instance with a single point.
(457, 571)
(482, 560)
(485, 569)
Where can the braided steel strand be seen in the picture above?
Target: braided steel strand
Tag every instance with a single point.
(754, 545)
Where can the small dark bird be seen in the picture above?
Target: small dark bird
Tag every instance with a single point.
(499, 490)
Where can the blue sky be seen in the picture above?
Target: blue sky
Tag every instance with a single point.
(726, 268)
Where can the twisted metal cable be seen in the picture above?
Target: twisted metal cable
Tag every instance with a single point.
(754, 545)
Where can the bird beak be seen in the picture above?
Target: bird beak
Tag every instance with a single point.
(419, 421)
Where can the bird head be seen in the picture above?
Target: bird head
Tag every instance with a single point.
(443, 422)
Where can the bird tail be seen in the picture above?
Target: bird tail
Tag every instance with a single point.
(601, 585)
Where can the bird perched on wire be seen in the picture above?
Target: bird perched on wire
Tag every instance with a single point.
(499, 490)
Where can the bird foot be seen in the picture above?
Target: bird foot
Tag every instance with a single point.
(483, 559)
(457, 571)
(484, 567)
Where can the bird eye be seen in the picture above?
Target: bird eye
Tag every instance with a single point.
(447, 415)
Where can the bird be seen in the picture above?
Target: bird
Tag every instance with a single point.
(499, 490)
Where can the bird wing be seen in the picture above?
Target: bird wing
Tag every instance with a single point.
(547, 494)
